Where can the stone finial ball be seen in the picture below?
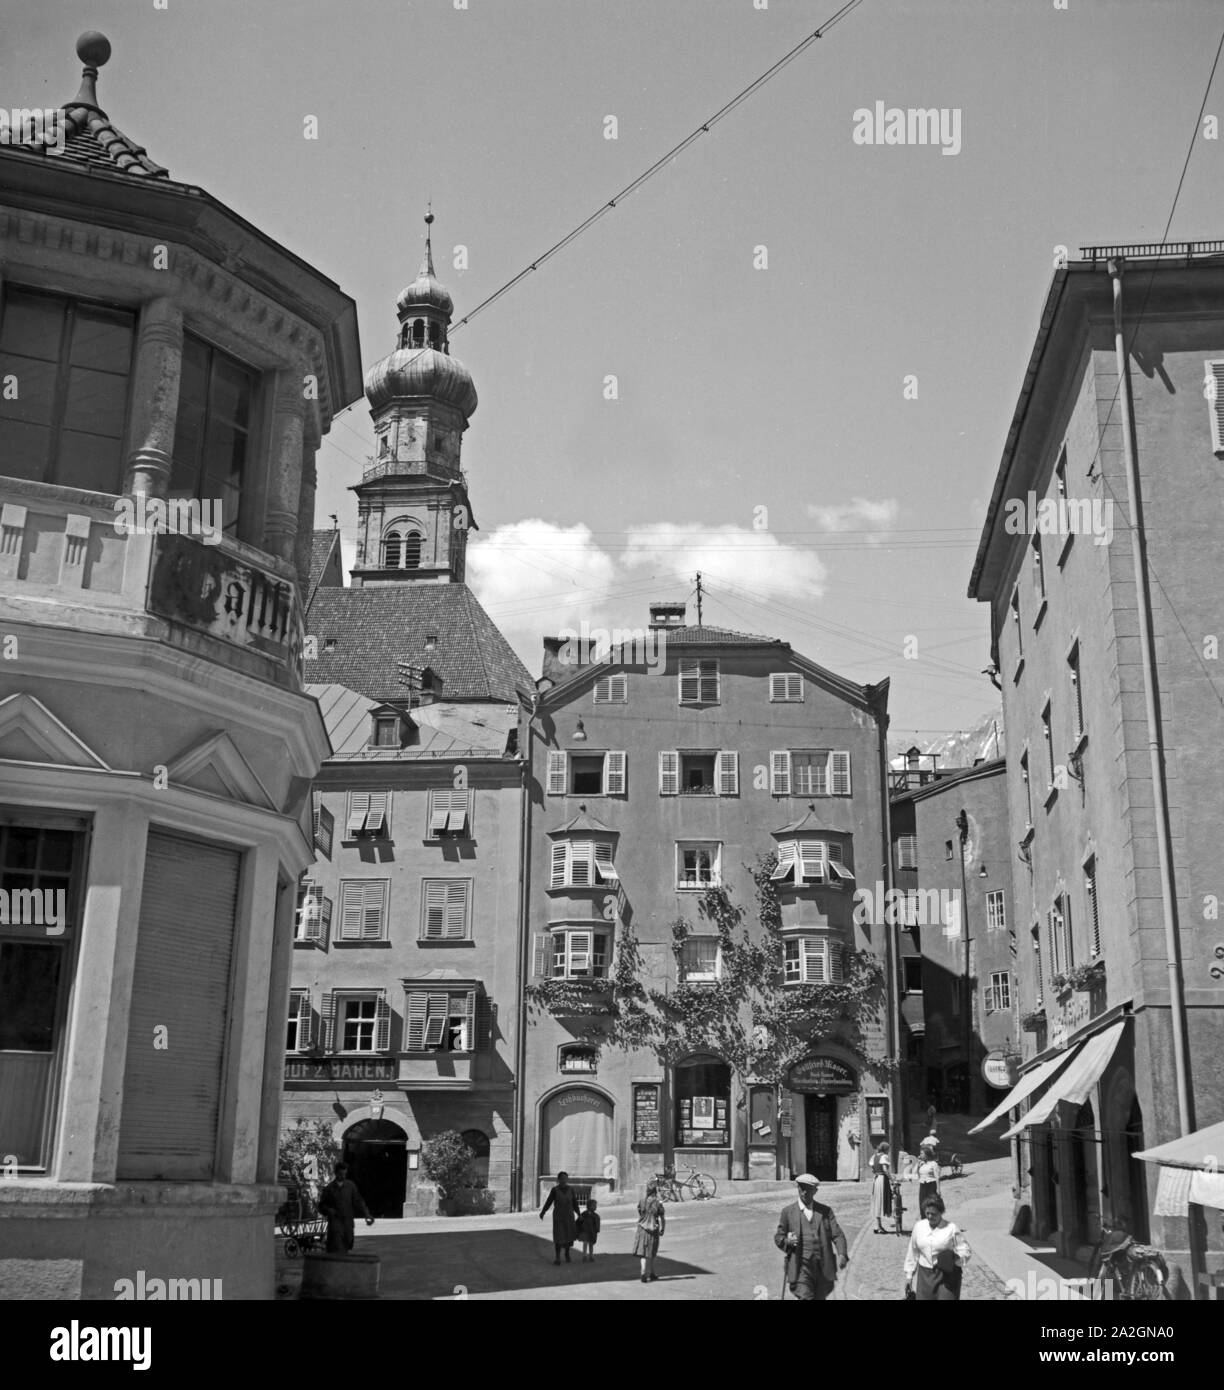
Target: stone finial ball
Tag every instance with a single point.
(93, 48)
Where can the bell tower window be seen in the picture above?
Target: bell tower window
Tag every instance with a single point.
(418, 333)
(412, 550)
(435, 335)
(391, 550)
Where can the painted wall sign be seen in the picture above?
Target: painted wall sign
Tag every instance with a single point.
(822, 1075)
(1070, 1018)
(1001, 1070)
(372, 1070)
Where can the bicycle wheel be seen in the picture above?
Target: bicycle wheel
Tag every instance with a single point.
(704, 1186)
(292, 1248)
(1144, 1284)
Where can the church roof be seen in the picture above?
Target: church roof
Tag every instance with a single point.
(443, 730)
(365, 634)
(90, 141)
(323, 544)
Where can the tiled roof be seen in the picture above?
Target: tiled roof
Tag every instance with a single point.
(322, 543)
(364, 634)
(716, 637)
(583, 821)
(443, 730)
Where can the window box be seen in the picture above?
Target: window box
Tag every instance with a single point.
(1033, 1022)
(1081, 979)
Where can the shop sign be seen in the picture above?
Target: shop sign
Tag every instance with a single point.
(372, 1070)
(1073, 1015)
(646, 1114)
(822, 1076)
(1001, 1070)
(877, 1117)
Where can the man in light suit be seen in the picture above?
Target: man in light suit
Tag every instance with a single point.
(808, 1232)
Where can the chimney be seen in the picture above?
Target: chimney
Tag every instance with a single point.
(666, 615)
(564, 655)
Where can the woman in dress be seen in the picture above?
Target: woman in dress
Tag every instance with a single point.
(937, 1254)
(881, 1189)
(651, 1224)
(564, 1203)
(928, 1177)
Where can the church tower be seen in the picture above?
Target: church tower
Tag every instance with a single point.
(413, 512)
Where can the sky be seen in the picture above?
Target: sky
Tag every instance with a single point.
(816, 429)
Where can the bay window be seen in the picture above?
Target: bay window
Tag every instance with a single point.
(812, 960)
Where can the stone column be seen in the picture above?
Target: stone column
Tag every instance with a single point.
(156, 374)
(285, 464)
(306, 518)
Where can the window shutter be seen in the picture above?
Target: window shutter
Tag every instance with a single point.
(418, 1011)
(460, 813)
(604, 868)
(557, 872)
(907, 852)
(352, 907)
(372, 911)
(435, 1027)
(376, 821)
(837, 871)
(777, 686)
(690, 682)
(484, 1021)
(614, 774)
(812, 861)
(382, 1023)
(326, 832)
(581, 860)
(541, 955)
(839, 774)
(1214, 377)
(709, 682)
(305, 1021)
(327, 1016)
(557, 773)
(316, 805)
(837, 963)
(435, 909)
(726, 779)
(581, 944)
(813, 960)
(612, 690)
(439, 811)
(669, 774)
(988, 999)
(359, 807)
(786, 861)
(456, 910)
(779, 773)
(469, 1021)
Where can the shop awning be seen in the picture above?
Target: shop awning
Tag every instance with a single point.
(1076, 1080)
(1024, 1087)
(1204, 1150)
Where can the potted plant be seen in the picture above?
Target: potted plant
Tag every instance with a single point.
(1081, 977)
(1034, 1021)
(449, 1164)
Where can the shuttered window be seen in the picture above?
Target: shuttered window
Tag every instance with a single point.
(356, 1021)
(785, 687)
(581, 864)
(571, 953)
(298, 1038)
(1094, 908)
(803, 773)
(614, 773)
(813, 960)
(180, 995)
(369, 813)
(446, 1021)
(363, 909)
(324, 825)
(312, 920)
(787, 859)
(612, 690)
(1213, 390)
(699, 682)
(907, 851)
(444, 909)
(450, 813)
(726, 773)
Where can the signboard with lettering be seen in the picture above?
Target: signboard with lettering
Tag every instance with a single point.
(877, 1117)
(1070, 1018)
(646, 1114)
(821, 1076)
(1001, 1070)
(373, 1069)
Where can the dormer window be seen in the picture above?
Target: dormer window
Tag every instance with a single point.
(212, 442)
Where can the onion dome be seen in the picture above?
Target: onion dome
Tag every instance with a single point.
(422, 365)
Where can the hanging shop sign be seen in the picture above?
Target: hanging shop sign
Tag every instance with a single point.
(1001, 1070)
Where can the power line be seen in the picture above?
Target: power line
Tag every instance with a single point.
(642, 178)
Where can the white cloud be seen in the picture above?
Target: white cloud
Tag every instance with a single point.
(732, 555)
(859, 514)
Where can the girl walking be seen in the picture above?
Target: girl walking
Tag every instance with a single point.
(651, 1224)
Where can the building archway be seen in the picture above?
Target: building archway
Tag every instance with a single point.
(577, 1134)
(377, 1154)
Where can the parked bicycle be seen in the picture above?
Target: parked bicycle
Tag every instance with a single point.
(673, 1188)
(1123, 1269)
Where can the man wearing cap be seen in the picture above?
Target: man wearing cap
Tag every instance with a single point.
(807, 1232)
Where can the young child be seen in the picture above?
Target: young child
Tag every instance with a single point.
(588, 1229)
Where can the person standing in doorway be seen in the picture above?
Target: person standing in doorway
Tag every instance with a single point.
(341, 1203)
(564, 1203)
(938, 1253)
(808, 1234)
(652, 1221)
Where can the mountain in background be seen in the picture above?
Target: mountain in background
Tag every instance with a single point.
(960, 748)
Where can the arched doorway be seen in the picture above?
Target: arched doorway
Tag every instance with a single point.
(478, 1141)
(377, 1154)
(576, 1135)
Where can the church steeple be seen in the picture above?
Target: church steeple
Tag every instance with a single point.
(413, 510)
